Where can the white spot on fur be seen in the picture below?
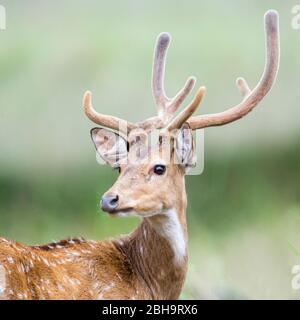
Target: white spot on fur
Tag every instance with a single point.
(73, 282)
(162, 274)
(20, 268)
(86, 251)
(76, 254)
(93, 243)
(100, 297)
(10, 260)
(2, 280)
(121, 243)
(22, 295)
(60, 287)
(95, 285)
(118, 275)
(106, 289)
(31, 263)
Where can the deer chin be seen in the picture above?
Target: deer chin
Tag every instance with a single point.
(122, 212)
(133, 212)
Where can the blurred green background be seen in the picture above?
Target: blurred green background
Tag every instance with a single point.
(244, 210)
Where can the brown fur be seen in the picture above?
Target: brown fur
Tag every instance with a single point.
(117, 269)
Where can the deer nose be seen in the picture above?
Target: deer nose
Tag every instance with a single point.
(109, 202)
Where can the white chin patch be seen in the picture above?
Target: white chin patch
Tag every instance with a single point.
(123, 214)
(2, 280)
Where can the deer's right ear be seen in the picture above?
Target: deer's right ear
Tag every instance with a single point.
(185, 147)
(110, 146)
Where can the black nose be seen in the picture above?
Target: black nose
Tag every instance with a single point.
(109, 202)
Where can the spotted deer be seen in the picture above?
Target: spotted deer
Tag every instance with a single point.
(151, 262)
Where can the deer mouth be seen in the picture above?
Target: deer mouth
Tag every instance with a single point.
(120, 210)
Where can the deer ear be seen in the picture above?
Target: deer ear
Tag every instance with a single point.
(110, 146)
(184, 147)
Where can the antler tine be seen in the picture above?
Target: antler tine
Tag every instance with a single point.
(256, 95)
(158, 70)
(102, 119)
(177, 122)
(166, 106)
(181, 95)
(243, 87)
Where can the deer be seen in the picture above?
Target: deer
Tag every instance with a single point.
(152, 261)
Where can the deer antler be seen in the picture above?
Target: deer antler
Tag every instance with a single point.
(179, 120)
(102, 119)
(166, 106)
(251, 98)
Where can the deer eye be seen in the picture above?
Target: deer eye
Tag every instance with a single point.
(118, 169)
(159, 169)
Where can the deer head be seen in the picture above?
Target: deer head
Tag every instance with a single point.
(151, 179)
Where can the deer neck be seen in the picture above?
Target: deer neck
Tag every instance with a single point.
(157, 250)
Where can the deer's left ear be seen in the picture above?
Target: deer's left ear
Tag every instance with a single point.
(184, 147)
(110, 146)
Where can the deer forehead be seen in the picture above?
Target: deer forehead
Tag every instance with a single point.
(143, 162)
(136, 172)
(151, 151)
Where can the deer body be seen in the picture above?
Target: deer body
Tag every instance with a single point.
(151, 262)
(125, 268)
